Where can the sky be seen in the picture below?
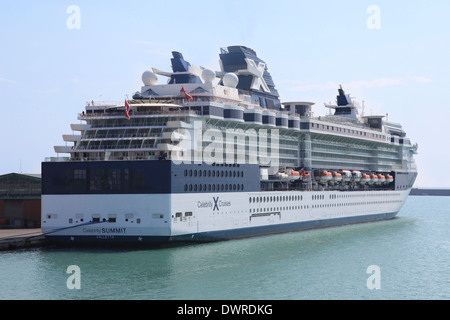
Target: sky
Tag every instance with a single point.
(55, 55)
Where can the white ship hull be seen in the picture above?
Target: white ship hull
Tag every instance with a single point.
(162, 218)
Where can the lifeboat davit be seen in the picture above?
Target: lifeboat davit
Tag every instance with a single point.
(389, 178)
(365, 178)
(381, 178)
(346, 175)
(282, 175)
(357, 176)
(304, 175)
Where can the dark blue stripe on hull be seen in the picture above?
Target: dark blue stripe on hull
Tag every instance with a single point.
(138, 241)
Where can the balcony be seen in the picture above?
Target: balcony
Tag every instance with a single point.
(80, 126)
(72, 137)
(63, 149)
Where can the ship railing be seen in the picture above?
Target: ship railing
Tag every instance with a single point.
(121, 135)
(56, 159)
(113, 158)
(346, 122)
(86, 116)
(286, 185)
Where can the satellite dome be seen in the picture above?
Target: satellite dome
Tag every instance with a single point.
(149, 78)
(208, 75)
(230, 80)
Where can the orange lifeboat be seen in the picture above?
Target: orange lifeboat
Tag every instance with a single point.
(337, 177)
(389, 178)
(373, 178)
(292, 174)
(325, 176)
(381, 178)
(365, 178)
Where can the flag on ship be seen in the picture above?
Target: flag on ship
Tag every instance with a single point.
(127, 109)
(188, 96)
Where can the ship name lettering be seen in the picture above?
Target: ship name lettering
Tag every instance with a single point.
(105, 237)
(224, 203)
(114, 230)
(204, 204)
(88, 230)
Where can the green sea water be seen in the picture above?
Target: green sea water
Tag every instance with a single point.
(404, 258)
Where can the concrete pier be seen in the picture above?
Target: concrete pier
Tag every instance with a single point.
(11, 239)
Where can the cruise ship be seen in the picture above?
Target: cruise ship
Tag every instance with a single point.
(201, 155)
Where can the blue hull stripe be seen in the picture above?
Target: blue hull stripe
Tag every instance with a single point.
(218, 235)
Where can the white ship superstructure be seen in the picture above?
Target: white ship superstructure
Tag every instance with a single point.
(213, 155)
